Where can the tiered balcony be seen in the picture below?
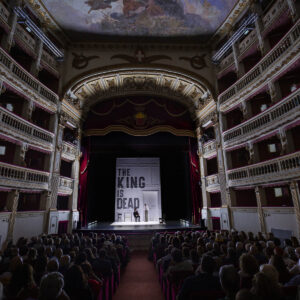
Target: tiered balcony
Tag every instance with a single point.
(209, 149)
(212, 183)
(28, 41)
(284, 111)
(284, 53)
(19, 177)
(21, 129)
(284, 167)
(24, 80)
(273, 13)
(65, 186)
(69, 151)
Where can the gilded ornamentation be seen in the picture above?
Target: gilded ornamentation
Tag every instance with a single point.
(197, 62)
(80, 61)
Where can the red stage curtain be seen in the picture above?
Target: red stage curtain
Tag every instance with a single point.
(83, 176)
(195, 181)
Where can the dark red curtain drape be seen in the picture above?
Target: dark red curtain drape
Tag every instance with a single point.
(83, 177)
(195, 181)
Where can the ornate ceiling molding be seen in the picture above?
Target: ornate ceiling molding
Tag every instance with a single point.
(189, 89)
(228, 24)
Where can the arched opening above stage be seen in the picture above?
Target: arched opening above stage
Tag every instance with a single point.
(140, 127)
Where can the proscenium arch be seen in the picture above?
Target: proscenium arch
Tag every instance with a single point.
(177, 84)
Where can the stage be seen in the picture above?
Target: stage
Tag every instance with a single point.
(138, 227)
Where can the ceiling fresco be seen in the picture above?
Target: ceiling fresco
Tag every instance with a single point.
(150, 18)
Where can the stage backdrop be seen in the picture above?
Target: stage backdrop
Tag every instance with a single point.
(137, 184)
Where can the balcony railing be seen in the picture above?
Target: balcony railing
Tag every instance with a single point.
(284, 167)
(209, 148)
(212, 182)
(4, 13)
(27, 78)
(275, 10)
(28, 40)
(15, 176)
(20, 128)
(65, 185)
(277, 53)
(69, 150)
(283, 111)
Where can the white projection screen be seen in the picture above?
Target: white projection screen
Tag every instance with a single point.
(137, 184)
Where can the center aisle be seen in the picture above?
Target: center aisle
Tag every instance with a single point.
(139, 280)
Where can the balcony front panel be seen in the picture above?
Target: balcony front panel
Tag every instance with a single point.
(281, 168)
(69, 151)
(209, 149)
(282, 56)
(4, 14)
(212, 183)
(26, 83)
(65, 186)
(21, 129)
(284, 111)
(19, 177)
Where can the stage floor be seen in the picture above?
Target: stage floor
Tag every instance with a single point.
(142, 227)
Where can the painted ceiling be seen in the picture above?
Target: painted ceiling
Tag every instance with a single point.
(150, 18)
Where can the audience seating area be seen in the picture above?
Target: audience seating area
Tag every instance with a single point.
(63, 267)
(226, 265)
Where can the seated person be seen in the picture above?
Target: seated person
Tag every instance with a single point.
(136, 215)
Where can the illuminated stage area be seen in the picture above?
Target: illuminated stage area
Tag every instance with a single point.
(135, 223)
(139, 227)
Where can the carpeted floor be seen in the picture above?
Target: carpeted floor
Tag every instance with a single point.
(139, 280)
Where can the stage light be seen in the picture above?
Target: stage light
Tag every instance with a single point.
(25, 19)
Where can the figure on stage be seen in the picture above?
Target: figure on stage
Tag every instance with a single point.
(136, 215)
(146, 210)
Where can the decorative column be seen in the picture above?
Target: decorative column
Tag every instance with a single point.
(294, 188)
(205, 196)
(260, 198)
(293, 10)
(20, 154)
(56, 162)
(264, 44)
(51, 206)
(28, 108)
(225, 209)
(253, 153)
(274, 91)
(36, 65)
(8, 39)
(12, 205)
(246, 110)
(239, 66)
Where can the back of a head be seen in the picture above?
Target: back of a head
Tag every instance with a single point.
(270, 271)
(248, 264)
(264, 287)
(53, 265)
(51, 286)
(207, 264)
(229, 279)
(244, 295)
(176, 255)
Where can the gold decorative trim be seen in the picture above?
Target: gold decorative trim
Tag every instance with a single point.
(139, 132)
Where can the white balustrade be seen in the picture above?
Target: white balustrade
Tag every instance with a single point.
(65, 185)
(283, 111)
(23, 129)
(26, 77)
(212, 183)
(284, 167)
(209, 148)
(69, 150)
(16, 176)
(261, 68)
